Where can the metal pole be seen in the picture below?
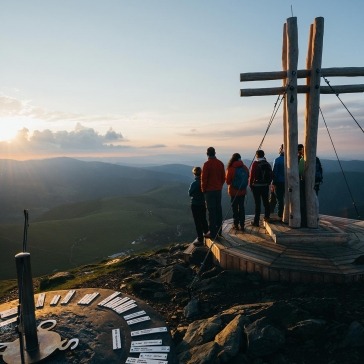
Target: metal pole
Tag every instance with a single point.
(25, 235)
(26, 292)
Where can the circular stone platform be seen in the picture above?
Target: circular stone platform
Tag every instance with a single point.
(137, 327)
(330, 253)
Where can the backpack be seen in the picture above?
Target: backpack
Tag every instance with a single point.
(240, 180)
(264, 173)
(319, 177)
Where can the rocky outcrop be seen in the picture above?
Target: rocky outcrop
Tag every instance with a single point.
(273, 322)
(219, 317)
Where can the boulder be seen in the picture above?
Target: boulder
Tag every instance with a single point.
(355, 335)
(201, 354)
(176, 275)
(307, 330)
(263, 338)
(200, 332)
(192, 309)
(230, 339)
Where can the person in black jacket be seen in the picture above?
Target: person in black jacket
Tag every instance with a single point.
(259, 180)
(198, 206)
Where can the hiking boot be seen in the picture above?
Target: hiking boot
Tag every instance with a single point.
(266, 219)
(242, 228)
(253, 223)
(207, 235)
(236, 227)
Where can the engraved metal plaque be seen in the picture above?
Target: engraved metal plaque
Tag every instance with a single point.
(125, 309)
(9, 313)
(117, 302)
(109, 298)
(8, 322)
(68, 297)
(121, 305)
(88, 298)
(40, 300)
(116, 340)
(146, 343)
(55, 299)
(150, 349)
(158, 356)
(148, 331)
(135, 314)
(144, 361)
(137, 320)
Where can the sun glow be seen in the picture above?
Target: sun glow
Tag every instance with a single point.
(8, 133)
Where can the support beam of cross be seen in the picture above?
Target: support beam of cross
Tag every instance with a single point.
(301, 204)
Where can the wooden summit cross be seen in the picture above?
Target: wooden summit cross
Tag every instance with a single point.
(312, 89)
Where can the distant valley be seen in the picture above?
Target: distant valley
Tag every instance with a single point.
(81, 212)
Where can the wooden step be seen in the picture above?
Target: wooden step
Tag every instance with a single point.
(281, 233)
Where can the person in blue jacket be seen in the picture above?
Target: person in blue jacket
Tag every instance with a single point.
(278, 182)
(198, 206)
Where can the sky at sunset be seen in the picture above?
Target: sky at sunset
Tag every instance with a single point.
(157, 81)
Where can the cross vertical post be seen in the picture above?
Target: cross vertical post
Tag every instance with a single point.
(285, 216)
(313, 62)
(292, 124)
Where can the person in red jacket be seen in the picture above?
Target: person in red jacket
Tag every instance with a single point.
(212, 180)
(237, 190)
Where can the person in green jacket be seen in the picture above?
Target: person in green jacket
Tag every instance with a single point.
(301, 171)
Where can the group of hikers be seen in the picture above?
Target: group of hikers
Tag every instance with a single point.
(266, 183)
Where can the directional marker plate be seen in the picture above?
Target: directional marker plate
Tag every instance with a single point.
(158, 356)
(55, 299)
(133, 315)
(10, 312)
(116, 302)
(146, 343)
(88, 298)
(109, 298)
(137, 320)
(148, 331)
(8, 322)
(122, 308)
(144, 361)
(116, 340)
(40, 300)
(68, 297)
(150, 349)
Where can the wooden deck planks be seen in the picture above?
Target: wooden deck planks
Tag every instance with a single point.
(298, 255)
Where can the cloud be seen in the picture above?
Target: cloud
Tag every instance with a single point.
(155, 146)
(112, 135)
(10, 106)
(338, 117)
(81, 139)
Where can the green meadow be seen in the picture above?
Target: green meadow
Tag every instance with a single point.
(86, 232)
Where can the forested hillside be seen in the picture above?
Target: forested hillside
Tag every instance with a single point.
(82, 212)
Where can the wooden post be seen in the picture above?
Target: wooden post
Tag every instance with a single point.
(285, 217)
(292, 132)
(311, 126)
